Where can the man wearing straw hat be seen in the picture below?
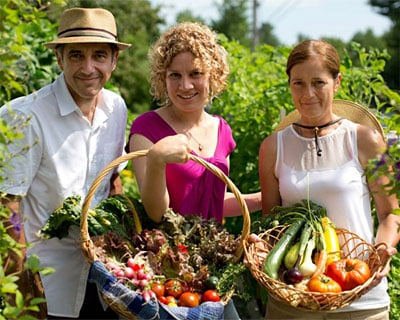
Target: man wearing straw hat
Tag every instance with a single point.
(74, 128)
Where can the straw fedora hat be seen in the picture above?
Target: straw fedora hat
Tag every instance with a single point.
(345, 109)
(87, 25)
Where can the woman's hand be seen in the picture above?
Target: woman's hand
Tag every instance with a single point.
(385, 254)
(171, 149)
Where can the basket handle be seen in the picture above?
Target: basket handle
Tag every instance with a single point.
(86, 242)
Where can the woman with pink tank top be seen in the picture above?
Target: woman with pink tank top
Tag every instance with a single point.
(188, 69)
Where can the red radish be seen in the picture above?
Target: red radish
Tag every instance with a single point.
(129, 273)
(131, 262)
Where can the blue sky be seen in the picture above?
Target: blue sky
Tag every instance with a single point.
(312, 18)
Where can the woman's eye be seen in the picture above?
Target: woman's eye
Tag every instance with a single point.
(297, 83)
(173, 75)
(197, 74)
(319, 84)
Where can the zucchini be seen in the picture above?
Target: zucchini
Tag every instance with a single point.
(274, 258)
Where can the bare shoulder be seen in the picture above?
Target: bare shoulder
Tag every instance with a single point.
(370, 143)
(268, 145)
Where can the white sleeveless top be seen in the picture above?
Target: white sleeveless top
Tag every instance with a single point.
(336, 181)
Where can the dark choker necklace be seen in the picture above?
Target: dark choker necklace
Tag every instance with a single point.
(316, 129)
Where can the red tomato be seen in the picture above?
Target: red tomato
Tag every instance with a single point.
(170, 300)
(158, 288)
(210, 295)
(163, 299)
(323, 284)
(173, 287)
(188, 299)
(167, 299)
(349, 273)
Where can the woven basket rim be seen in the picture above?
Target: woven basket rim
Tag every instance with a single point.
(335, 300)
(87, 244)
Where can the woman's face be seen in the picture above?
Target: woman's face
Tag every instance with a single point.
(187, 84)
(313, 87)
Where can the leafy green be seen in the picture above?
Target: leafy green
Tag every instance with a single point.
(60, 220)
(280, 215)
(112, 214)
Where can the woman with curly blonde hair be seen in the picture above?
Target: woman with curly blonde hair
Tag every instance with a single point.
(202, 43)
(189, 68)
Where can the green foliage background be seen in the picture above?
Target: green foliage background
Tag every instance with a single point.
(257, 95)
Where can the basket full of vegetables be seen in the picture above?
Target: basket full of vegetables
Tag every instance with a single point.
(185, 268)
(304, 261)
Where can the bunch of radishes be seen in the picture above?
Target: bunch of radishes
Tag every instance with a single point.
(136, 274)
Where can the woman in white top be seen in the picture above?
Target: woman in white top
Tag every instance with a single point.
(322, 157)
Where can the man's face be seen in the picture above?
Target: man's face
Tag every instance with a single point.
(87, 67)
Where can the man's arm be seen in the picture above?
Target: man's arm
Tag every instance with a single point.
(115, 185)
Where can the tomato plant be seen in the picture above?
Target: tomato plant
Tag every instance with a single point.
(188, 299)
(174, 287)
(210, 295)
(349, 273)
(323, 284)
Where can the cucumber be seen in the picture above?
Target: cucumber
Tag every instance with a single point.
(274, 258)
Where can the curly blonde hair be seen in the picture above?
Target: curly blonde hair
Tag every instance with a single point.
(192, 37)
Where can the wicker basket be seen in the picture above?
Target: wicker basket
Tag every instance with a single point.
(352, 246)
(88, 246)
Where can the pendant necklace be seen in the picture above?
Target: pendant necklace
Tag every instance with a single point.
(191, 136)
(200, 146)
(316, 129)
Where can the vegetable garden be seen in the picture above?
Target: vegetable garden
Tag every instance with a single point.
(257, 96)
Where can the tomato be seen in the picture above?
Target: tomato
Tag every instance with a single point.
(158, 288)
(188, 299)
(349, 273)
(163, 299)
(169, 300)
(210, 295)
(173, 287)
(211, 282)
(323, 284)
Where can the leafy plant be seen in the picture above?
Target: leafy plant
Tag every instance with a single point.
(14, 304)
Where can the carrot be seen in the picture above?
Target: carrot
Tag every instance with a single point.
(322, 258)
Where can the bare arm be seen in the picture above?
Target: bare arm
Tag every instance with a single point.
(115, 185)
(268, 181)
(150, 171)
(232, 207)
(370, 145)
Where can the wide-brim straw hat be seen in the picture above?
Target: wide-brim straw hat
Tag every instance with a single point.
(345, 109)
(87, 25)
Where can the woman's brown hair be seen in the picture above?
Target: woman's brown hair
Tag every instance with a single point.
(308, 48)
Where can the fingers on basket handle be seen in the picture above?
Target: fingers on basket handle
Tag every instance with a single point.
(383, 246)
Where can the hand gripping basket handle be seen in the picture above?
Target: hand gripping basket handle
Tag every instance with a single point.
(87, 244)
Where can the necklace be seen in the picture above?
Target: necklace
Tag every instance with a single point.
(316, 129)
(200, 146)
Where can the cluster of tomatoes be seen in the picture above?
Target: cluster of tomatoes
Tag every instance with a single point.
(174, 292)
(341, 275)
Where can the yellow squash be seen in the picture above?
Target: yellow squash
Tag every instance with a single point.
(331, 240)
